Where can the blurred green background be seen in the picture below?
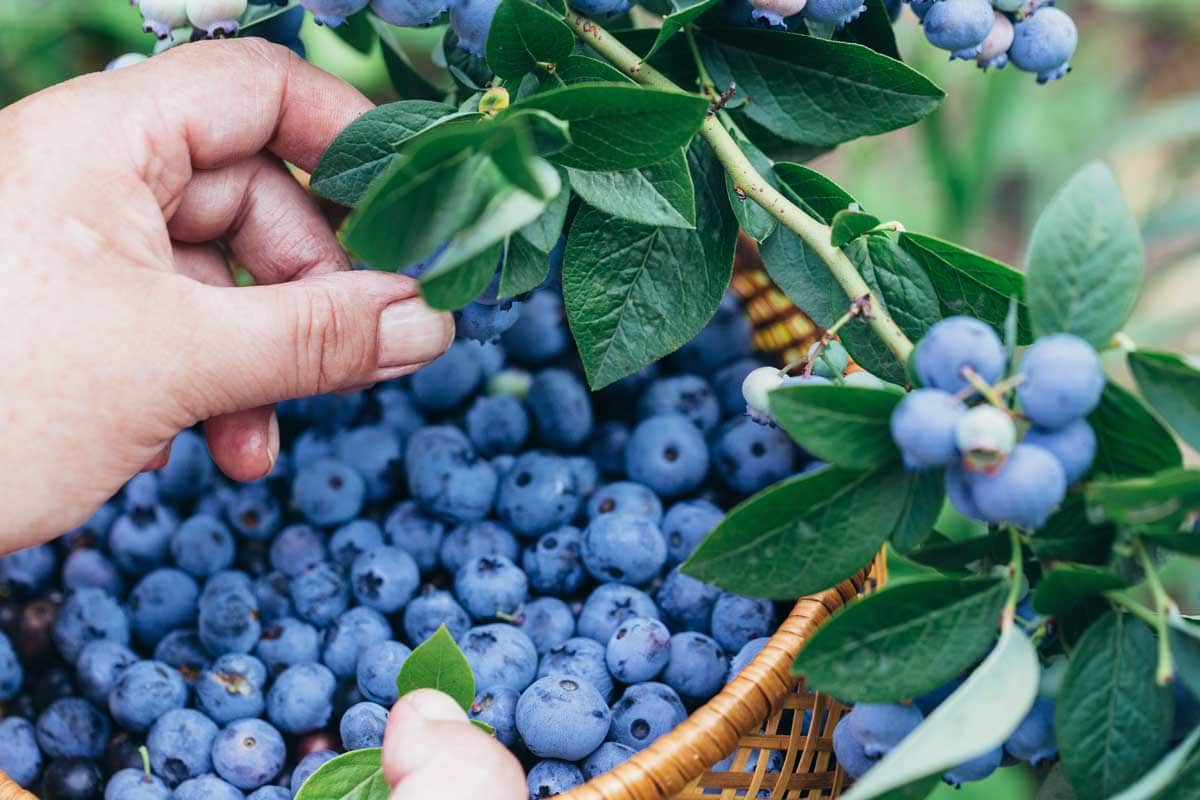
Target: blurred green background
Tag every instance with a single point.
(978, 172)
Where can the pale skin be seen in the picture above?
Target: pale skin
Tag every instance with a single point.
(119, 325)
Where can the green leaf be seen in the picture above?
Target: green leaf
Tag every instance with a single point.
(658, 194)
(409, 82)
(971, 284)
(903, 641)
(524, 36)
(357, 32)
(357, 775)
(1066, 585)
(369, 144)
(525, 266)
(715, 223)
(1172, 387)
(456, 284)
(1160, 500)
(619, 126)
(582, 69)
(924, 505)
(849, 426)
(804, 534)
(1001, 690)
(483, 726)
(545, 231)
(1187, 543)
(966, 555)
(439, 664)
(803, 277)
(753, 218)
(681, 15)
(817, 193)
(873, 29)
(1129, 440)
(256, 15)
(1184, 637)
(814, 91)
(633, 292)
(1084, 266)
(1112, 721)
(849, 225)
(470, 72)
(1164, 772)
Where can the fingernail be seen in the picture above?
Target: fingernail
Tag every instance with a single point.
(410, 332)
(272, 441)
(433, 706)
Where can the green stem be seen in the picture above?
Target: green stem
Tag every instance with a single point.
(1133, 607)
(745, 177)
(1162, 605)
(1016, 569)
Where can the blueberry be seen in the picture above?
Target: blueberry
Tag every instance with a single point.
(554, 564)
(539, 493)
(328, 492)
(645, 712)
(975, 769)
(689, 396)
(540, 333)
(601, 7)
(687, 602)
(374, 452)
(384, 579)
(606, 758)
(831, 361)
(351, 634)
(352, 540)
(1044, 43)
(430, 610)
(727, 385)
(608, 606)
(497, 707)
(140, 539)
(320, 594)
(985, 435)
(851, 756)
(1062, 380)
(273, 592)
(88, 615)
(160, 17)
(1025, 491)
(398, 410)
(834, 12)
(189, 471)
(311, 446)
(490, 585)
(587, 475)
(960, 492)
(307, 766)
(99, 665)
(94, 531)
(215, 17)
(561, 408)
(254, 512)
(301, 698)
(232, 688)
(579, 658)
(1073, 445)
(482, 322)
(228, 621)
(72, 779)
(202, 546)
(161, 602)
(362, 726)
(749, 457)
(726, 337)
(959, 26)
(696, 666)
(333, 12)
(416, 534)
(183, 651)
(881, 726)
(135, 784)
(686, 524)
(377, 670)
(607, 447)
(1034, 739)
(500, 655)
(924, 427)
(560, 717)
(12, 676)
(498, 424)
(668, 454)
(737, 620)
(993, 53)
(286, 642)
(932, 699)
(626, 497)
(547, 621)
(144, 692)
(552, 777)
(207, 787)
(270, 793)
(476, 539)
(638, 650)
(446, 477)
(296, 548)
(179, 744)
(623, 548)
(27, 571)
(921, 7)
(955, 343)
(408, 13)
(447, 382)
(70, 727)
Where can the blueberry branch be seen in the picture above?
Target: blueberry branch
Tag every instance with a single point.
(1162, 607)
(747, 179)
(1016, 571)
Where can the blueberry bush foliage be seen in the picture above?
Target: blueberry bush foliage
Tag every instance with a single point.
(1035, 505)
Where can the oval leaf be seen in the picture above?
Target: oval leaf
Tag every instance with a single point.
(1172, 387)
(755, 220)
(1064, 586)
(849, 426)
(524, 36)
(817, 193)
(357, 775)
(439, 664)
(1164, 773)
(849, 225)
(1129, 440)
(1159, 500)
(658, 194)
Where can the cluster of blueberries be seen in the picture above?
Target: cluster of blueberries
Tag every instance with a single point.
(243, 634)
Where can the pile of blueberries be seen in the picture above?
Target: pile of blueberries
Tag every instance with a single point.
(244, 634)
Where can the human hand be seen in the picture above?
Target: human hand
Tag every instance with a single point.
(119, 325)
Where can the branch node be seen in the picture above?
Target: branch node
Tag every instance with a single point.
(861, 307)
(723, 99)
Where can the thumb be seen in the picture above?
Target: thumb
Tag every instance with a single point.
(431, 750)
(254, 346)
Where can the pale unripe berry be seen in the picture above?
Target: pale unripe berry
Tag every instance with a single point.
(216, 17)
(510, 381)
(160, 17)
(756, 389)
(993, 53)
(775, 11)
(985, 435)
(127, 60)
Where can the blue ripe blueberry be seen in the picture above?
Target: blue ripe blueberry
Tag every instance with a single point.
(993, 53)
(333, 12)
(959, 26)
(540, 333)
(924, 427)
(607, 447)
(750, 457)
(352, 540)
(482, 322)
(398, 410)
(20, 757)
(985, 436)
(500, 655)
(645, 712)
(960, 493)
(161, 602)
(737, 620)
(835, 12)
(331, 411)
(351, 634)
(282, 29)
(561, 409)
(488, 586)
(475, 539)
(202, 545)
(601, 7)
(1024, 491)
(1073, 445)
(430, 610)
(362, 726)
(328, 492)
(623, 395)
(579, 658)
(955, 343)
(94, 531)
(727, 385)
(668, 454)
(286, 642)
(538, 493)
(554, 564)
(975, 769)
(625, 497)
(688, 395)
(1062, 380)
(932, 699)
(71, 779)
(744, 656)
(623, 548)
(446, 477)
(587, 474)
(140, 539)
(179, 744)
(377, 669)
(307, 766)
(881, 726)
(70, 727)
(141, 492)
(135, 784)
(1044, 43)
(384, 579)
(97, 668)
(144, 692)
(1034, 740)
(696, 666)
(606, 758)
(921, 7)
(685, 526)
(374, 452)
(638, 650)
(547, 621)
(232, 688)
(28, 570)
(502, 463)
(228, 622)
(608, 606)
(408, 13)
(312, 445)
(497, 707)
(87, 615)
(320, 594)
(726, 337)
(215, 17)
(87, 568)
(248, 753)
(273, 592)
(449, 380)
(183, 651)
(416, 534)
(497, 424)
(301, 698)
(296, 548)
(687, 602)
(561, 717)
(229, 581)
(160, 17)
(552, 777)
(254, 512)
(851, 756)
